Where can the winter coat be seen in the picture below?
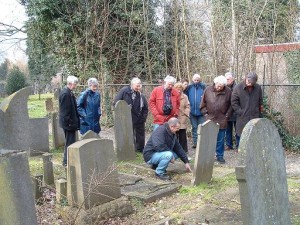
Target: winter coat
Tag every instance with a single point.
(194, 93)
(162, 139)
(68, 114)
(156, 102)
(184, 111)
(139, 115)
(233, 115)
(89, 108)
(246, 104)
(215, 105)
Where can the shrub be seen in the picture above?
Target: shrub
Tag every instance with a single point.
(15, 80)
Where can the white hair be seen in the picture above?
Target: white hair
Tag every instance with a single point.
(92, 81)
(173, 121)
(220, 80)
(196, 75)
(72, 80)
(135, 80)
(229, 74)
(170, 79)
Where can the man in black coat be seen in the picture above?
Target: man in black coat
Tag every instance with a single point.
(68, 114)
(163, 148)
(139, 110)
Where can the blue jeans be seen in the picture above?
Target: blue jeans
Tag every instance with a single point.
(220, 143)
(162, 160)
(195, 121)
(229, 131)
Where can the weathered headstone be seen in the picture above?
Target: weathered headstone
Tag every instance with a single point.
(262, 175)
(58, 137)
(49, 105)
(205, 152)
(37, 181)
(92, 178)
(124, 145)
(15, 121)
(16, 199)
(48, 169)
(39, 132)
(89, 134)
(61, 190)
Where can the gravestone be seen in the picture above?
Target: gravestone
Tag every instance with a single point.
(49, 105)
(92, 177)
(48, 169)
(15, 132)
(58, 136)
(39, 132)
(37, 181)
(262, 175)
(61, 190)
(89, 134)
(16, 199)
(124, 145)
(205, 152)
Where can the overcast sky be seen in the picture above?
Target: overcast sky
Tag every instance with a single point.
(11, 12)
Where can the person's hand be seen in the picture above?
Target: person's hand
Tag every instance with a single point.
(188, 167)
(173, 160)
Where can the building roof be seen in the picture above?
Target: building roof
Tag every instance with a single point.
(282, 47)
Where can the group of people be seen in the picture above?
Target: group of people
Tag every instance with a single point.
(172, 104)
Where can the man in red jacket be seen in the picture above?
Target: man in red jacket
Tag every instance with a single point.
(164, 102)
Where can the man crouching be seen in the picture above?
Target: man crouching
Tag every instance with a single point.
(163, 148)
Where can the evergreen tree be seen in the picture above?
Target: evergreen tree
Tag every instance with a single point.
(15, 80)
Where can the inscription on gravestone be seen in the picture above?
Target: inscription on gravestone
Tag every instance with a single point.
(262, 175)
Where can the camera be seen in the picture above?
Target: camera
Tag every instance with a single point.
(167, 109)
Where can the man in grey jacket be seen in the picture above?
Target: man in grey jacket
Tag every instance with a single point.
(247, 102)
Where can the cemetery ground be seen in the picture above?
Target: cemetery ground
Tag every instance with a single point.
(214, 203)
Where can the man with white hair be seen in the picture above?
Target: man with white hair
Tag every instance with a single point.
(215, 106)
(89, 107)
(194, 92)
(139, 110)
(232, 120)
(68, 114)
(164, 102)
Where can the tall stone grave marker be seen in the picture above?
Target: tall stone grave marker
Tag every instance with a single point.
(92, 178)
(89, 134)
(262, 175)
(205, 152)
(15, 134)
(39, 131)
(124, 145)
(16, 199)
(58, 137)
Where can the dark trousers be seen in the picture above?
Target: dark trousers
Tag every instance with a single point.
(229, 134)
(139, 136)
(70, 137)
(181, 136)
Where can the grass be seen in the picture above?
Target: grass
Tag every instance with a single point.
(36, 106)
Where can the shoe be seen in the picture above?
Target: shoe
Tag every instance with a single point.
(153, 166)
(221, 160)
(163, 176)
(227, 148)
(194, 146)
(64, 164)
